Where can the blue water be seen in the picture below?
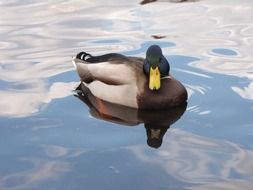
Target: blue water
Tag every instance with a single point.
(50, 139)
(222, 51)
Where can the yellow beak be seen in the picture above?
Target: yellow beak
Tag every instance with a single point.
(154, 79)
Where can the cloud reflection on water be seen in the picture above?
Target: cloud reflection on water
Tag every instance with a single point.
(21, 103)
(208, 163)
(41, 171)
(193, 161)
(47, 168)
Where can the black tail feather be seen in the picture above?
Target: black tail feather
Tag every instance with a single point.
(83, 56)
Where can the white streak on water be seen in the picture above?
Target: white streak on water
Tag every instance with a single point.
(190, 158)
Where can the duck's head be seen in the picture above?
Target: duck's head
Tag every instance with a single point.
(155, 66)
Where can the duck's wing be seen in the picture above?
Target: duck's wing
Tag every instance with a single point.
(112, 69)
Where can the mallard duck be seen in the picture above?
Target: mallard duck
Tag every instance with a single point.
(131, 81)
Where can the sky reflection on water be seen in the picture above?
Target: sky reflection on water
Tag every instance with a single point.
(49, 140)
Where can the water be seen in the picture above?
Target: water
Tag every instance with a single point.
(49, 139)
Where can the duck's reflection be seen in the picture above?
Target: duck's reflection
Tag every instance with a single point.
(155, 122)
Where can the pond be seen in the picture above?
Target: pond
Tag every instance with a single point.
(51, 139)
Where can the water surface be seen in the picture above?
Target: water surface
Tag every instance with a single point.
(49, 139)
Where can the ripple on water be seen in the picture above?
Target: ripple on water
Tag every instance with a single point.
(7, 45)
(225, 52)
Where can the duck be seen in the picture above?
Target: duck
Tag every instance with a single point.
(135, 82)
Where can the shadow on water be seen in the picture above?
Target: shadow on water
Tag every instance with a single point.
(156, 122)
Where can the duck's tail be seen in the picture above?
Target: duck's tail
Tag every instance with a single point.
(81, 56)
